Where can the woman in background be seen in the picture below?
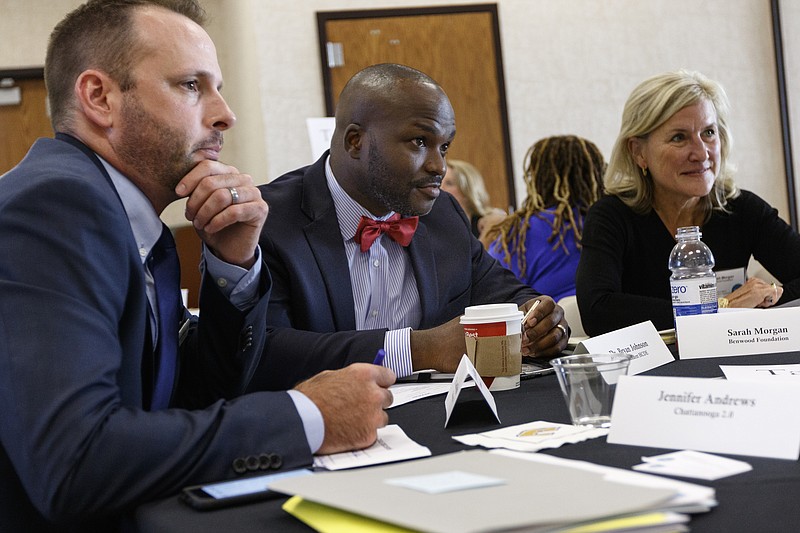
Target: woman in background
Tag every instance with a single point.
(541, 241)
(669, 169)
(465, 183)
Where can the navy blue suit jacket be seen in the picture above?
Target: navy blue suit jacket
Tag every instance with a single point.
(76, 447)
(311, 290)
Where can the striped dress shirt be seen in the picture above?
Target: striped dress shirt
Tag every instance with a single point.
(385, 291)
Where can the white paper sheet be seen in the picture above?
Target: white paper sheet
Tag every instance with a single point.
(392, 445)
(531, 437)
(689, 463)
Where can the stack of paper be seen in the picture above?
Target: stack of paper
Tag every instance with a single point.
(479, 491)
(329, 520)
(687, 498)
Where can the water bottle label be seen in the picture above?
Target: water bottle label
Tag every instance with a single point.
(696, 296)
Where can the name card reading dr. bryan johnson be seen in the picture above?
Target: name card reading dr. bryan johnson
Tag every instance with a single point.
(641, 342)
(746, 332)
(709, 415)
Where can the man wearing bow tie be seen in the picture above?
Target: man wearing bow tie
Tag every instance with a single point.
(364, 239)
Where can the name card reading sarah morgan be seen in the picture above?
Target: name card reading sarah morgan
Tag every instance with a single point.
(738, 332)
(711, 415)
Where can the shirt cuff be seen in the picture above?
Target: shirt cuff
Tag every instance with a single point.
(313, 424)
(397, 345)
(239, 286)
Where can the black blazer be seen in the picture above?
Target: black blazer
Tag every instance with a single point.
(303, 247)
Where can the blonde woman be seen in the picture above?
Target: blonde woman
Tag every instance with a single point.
(669, 168)
(465, 183)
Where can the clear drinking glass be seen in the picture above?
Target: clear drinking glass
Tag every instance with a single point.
(588, 382)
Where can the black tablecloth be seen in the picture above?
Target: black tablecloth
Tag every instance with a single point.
(764, 499)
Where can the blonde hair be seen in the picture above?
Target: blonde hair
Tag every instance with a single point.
(564, 173)
(651, 104)
(470, 182)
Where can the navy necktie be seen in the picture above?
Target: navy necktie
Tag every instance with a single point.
(165, 268)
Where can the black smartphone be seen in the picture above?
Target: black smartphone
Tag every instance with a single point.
(235, 492)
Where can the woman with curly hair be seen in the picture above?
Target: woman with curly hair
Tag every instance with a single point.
(541, 241)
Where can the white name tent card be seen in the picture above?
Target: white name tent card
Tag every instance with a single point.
(744, 332)
(712, 415)
(466, 368)
(790, 373)
(641, 341)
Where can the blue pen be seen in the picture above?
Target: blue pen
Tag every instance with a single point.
(379, 357)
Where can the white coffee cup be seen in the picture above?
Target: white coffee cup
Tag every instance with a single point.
(493, 333)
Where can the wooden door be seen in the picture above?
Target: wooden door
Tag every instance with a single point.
(459, 47)
(21, 124)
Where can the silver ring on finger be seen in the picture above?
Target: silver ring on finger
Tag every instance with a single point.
(234, 195)
(562, 328)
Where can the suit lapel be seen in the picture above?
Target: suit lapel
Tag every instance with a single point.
(424, 264)
(136, 370)
(325, 241)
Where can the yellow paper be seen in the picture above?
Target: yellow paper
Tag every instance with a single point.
(616, 524)
(329, 520)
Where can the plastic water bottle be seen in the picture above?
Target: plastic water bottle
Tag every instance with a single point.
(693, 283)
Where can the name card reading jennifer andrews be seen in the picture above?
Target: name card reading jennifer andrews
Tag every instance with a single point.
(711, 415)
(739, 332)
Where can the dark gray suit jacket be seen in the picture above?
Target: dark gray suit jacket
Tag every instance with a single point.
(77, 450)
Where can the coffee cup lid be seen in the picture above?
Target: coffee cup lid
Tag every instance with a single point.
(480, 314)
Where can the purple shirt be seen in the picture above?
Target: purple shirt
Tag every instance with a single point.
(547, 270)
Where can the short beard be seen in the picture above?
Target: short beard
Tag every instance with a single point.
(157, 152)
(379, 182)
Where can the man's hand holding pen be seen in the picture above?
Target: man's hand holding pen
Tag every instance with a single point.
(352, 402)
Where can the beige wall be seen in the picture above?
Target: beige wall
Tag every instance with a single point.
(790, 25)
(569, 66)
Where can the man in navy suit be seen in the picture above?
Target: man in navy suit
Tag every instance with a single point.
(394, 126)
(134, 94)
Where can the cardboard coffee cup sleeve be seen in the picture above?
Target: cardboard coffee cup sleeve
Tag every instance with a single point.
(496, 356)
